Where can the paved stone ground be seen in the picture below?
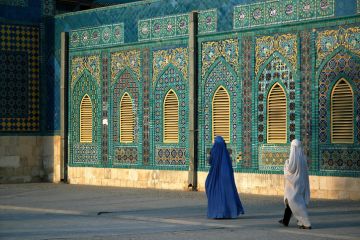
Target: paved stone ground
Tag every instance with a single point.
(62, 211)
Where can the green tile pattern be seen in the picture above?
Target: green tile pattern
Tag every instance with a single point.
(329, 40)
(84, 154)
(219, 67)
(340, 158)
(170, 71)
(279, 12)
(236, 60)
(175, 25)
(103, 36)
(273, 157)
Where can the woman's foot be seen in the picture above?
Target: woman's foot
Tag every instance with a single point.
(282, 222)
(304, 227)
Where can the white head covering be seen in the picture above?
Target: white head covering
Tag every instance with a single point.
(297, 188)
(296, 171)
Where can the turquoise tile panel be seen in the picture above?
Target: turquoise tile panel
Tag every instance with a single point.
(241, 16)
(307, 9)
(257, 14)
(272, 12)
(289, 11)
(103, 36)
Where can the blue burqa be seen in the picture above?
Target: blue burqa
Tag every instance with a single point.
(223, 198)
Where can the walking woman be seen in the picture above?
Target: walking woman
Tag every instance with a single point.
(223, 198)
(297, 189)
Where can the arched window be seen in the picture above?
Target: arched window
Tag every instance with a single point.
(276, 115)
(342, 113)
(86, 120)
(221, 114)
(127, 120)
(171, 118)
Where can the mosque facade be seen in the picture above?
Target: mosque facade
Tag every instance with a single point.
(133, 95)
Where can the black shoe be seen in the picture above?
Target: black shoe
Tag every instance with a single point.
(304, 227)
(282, 222)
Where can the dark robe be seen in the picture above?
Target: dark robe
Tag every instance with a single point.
(223, 198)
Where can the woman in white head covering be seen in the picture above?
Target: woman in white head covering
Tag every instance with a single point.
(297, 189)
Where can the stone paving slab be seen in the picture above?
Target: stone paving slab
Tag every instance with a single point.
(63, 211)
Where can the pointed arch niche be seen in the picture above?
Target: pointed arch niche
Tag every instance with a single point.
(221, 114)
(342, 112)
(276, 115)
(171, 118)
(127, 119)
(86, 116)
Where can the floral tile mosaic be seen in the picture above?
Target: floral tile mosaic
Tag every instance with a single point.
(281, 11)
(106, 35)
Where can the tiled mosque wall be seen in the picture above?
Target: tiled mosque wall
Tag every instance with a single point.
(29, 151)
(246, 47)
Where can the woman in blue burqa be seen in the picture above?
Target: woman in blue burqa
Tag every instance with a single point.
(223, 198)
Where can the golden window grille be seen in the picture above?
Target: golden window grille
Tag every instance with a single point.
(276, 115)
(221, 114)
(342, 113)
(86, 120)
(171, 118)
(127, 119)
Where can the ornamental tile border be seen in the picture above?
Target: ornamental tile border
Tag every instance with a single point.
(329, 40)
(228, 49)
(285, 44)
(278, 12)
(125, 59)
(175, 25)
(103, 36)
(178, 57)
(273, 157)
(81, 63)
(15, 3)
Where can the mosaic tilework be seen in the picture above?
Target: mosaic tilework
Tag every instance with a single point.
(125, 155)
(285, 44)
(171, 156)
(273, 157)
(89, 63)
(278, 12)
(20, 67)
(146, 106)
(175, 25)
(207, 21)
(341, 65)
(85, 153)
(126, 83)
(223, 75)
(358, 6)
(178, 57)
(16, 3)
(329, 40)
(125, 59)
(306, 107)
(170, 79)
(104, 144)
(276, 70)
(103, 36)
(228, 49)
(246, 102)
(347, 158)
